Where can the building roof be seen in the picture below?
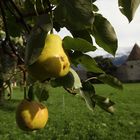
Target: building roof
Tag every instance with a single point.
(135, 53)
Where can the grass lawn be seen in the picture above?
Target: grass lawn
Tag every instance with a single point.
(70, 119)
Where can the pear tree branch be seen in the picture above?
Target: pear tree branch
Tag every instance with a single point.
(31, 14)
(7, 39)
(20, 15)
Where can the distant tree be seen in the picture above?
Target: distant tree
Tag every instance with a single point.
(106, 64)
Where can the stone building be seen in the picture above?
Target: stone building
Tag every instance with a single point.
(130, 70)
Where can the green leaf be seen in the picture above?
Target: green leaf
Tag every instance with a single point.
(55, 2)
(87, 86)
(74, 14)
(71, 81)
(88, 62)
(77, 44)
(29, 6)
(35, 44)
(95, 8)
(36, 39)
(39, 5)
(84, 34)
(14, 26)
(104, 103)
(87, 92)
(104, 34)
(2, 33)
(110, 80)
(41, 90)
(128, 8)
(44, 95)
(44, 22)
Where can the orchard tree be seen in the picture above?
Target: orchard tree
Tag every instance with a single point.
(106, 64)
(28, 43)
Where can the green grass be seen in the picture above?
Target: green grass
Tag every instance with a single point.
(70, 119)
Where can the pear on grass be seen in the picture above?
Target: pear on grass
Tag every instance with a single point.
(52, 62)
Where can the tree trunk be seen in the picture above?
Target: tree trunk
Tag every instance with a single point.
(1, 92)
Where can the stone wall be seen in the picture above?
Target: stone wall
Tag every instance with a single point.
(129, 71)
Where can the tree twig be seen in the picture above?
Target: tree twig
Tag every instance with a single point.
(10, 10)
(51, 13)
(49, 5)
(4, 20)
(91, 78)
(7, 39)
(25, 86)
(31, 14)
(21, 16)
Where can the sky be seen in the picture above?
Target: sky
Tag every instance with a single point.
(127, 33)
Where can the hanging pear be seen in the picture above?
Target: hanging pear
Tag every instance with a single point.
(52, 62)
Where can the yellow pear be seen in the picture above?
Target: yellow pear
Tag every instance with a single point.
(52, 62)
(31, 115)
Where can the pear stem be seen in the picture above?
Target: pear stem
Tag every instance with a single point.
(51, 32)
(30, 93)
(24, 80)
